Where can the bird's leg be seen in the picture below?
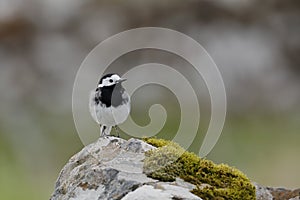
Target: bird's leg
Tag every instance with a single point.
(117, 131)
(105, 130)
(102, 130)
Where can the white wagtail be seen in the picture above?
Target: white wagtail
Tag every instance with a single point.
(109, 103)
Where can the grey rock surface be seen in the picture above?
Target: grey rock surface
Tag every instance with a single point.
(295, 198)
(112, 168)
(163, 191)
(262, 193)
(273, 193)
(281, 193)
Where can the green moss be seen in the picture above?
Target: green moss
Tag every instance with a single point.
(157, 142)
(212, 181)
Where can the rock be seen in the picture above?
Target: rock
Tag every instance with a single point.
(284, 194)
(112, 168)
(295, 198)
(163, 191)
(262, 193)
(270, 193)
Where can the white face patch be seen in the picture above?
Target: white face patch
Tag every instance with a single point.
(112, 80)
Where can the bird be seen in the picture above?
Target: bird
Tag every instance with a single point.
(109, 103)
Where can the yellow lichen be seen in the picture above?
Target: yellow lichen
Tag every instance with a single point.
(212, 181)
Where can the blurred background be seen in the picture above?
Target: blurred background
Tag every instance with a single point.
(255, 44)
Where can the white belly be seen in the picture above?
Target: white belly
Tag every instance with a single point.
(109, 116)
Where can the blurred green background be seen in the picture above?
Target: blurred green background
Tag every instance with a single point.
(255, 44)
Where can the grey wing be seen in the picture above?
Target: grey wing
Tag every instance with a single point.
(92, 104)
(126, 98)
(120, 113)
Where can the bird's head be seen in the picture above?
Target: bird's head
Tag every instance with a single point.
(110, 80)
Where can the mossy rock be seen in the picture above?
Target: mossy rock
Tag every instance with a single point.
(212, 181)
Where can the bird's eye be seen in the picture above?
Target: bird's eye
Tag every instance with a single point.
(110, 80)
